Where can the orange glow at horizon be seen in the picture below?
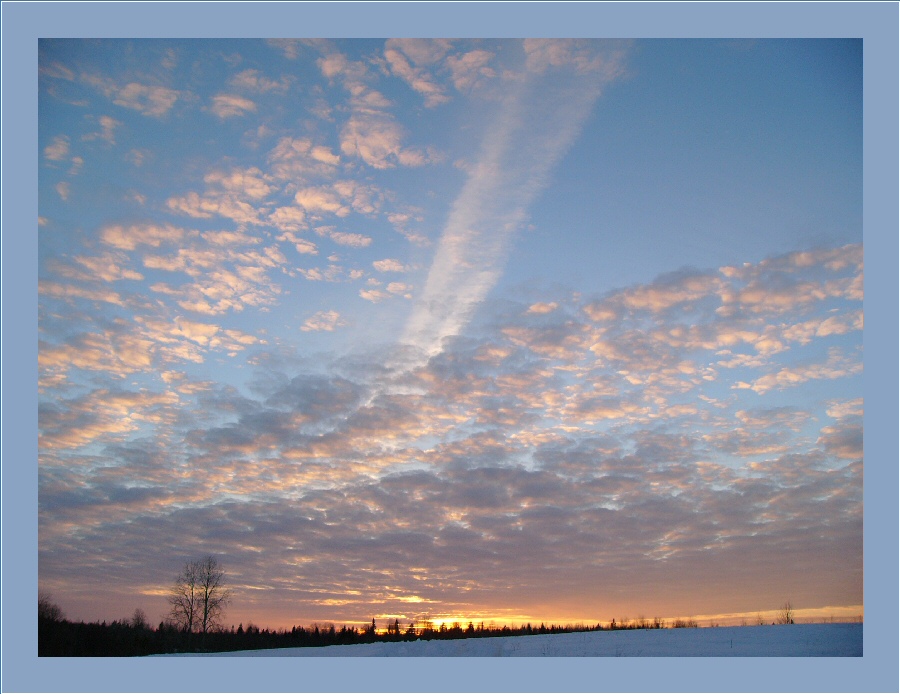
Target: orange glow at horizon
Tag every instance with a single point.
(492, 620)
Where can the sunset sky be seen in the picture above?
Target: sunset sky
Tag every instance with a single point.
(501, 330)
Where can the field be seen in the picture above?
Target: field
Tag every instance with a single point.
(775, 641)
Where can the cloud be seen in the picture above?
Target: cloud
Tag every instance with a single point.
(302, 246)
(471, 70)
(63, 189)
(407, 59)
(371, 133)
(102, 413)
(836, 366)
(844, 440)
(400, 288)
(546, 460)
(137, 156)
(299, 158)
(597, 439)
(542, 308)
(231, 105)
(58, 150)
(109, 267)
(130, 237)
(333, 273)
(288, 219)
(377, 140)
(389, 265)
(291, 48)
(515, 161)
(226, 275)
(321, 200)
(374, 295)
(323, 320)
(848, 408)
(108, 126)
(57, 290)
(253, 80)
(401, 222)
(216, 203)
(671, 291)
(150, 100)
(543, 55)
(250, 183)
(348, 239)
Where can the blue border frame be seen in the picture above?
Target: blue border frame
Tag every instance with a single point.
(23, 23)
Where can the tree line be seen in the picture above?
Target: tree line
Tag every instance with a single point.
(197, 601)
(131, 637)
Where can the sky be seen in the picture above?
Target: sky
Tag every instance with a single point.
(490, 330)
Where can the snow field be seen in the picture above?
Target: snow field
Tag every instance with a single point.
(802, 640)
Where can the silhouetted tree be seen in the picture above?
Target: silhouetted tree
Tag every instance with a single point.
(139, 619)
(199, 595)
(785, 614)
(47, 609)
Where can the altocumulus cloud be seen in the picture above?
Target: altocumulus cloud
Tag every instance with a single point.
(298, 353)
(578, 465)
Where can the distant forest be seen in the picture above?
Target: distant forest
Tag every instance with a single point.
(122, 638)
(58, 636)
(134, 636)
(200, 594)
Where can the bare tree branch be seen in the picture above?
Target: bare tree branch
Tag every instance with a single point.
(199, 595)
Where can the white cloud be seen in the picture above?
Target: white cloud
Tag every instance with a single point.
(137, 156)
(348, 239)
(150, 100)
(130, 237)
(253, 80)
(371, 133)
(836, 366)
(248, 183)
(298, 158)
(344, 238)
(377, 140)
(291, 48)
(542, 308)
(581, 55)
(319, 200)
(108, 126)
(215, 204)
(389, 265)
(846, 408)
(231, 105)
(407, 58)
(471, 70)
(58, 149)
(374, 295)
(400, 288)
(302, 245)
(536, 124)
(109, 267)
(323, 320)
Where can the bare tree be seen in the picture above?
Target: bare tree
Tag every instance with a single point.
(183, 598)
(785, 614)
(47, 609)
(199, 595)
(139, 619)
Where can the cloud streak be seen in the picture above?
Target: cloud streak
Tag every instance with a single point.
(539, 119)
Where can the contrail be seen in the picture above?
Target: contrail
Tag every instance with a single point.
(536, 124)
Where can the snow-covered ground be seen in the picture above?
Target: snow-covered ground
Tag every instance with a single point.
(787, 640)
